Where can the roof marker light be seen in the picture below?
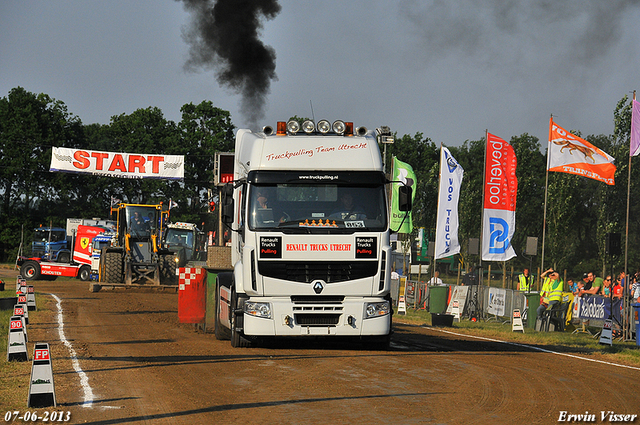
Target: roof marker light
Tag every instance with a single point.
(281, 128)
(348, 128)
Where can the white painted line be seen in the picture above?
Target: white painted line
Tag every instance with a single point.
(544, 350)
(84, 380)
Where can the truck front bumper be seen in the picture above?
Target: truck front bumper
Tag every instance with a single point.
(346, 318)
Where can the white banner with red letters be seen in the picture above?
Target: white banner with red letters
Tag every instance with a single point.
(112, 164)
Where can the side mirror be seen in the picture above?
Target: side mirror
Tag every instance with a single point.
(226, 204)
(404, 198)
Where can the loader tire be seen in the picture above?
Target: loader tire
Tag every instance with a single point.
(113, 267)
(168, 270)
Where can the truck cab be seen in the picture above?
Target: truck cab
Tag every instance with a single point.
(185, 241)
(51, 244)
(99, 243)
(309, 212)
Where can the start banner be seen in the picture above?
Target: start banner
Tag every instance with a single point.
(123, 165)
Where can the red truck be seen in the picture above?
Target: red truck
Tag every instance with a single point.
(80, 265)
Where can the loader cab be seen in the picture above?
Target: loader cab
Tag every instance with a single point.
(141, 221)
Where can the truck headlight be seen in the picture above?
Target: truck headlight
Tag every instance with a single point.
(376, 309)
(258, 309)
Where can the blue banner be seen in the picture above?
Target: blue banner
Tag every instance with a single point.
(595, 307)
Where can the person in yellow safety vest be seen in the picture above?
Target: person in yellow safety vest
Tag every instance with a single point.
(525, 280)
(551, 293)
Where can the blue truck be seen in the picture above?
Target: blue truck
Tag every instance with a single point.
(54, 243)
(51, 244)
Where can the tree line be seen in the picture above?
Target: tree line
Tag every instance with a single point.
(580, 211)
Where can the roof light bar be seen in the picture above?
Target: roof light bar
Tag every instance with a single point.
(339, 127)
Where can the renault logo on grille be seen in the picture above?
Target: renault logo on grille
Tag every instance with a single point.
(318, 286)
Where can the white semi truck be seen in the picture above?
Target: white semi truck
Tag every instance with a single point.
(309, 216)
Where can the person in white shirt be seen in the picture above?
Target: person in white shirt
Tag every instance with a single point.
(435, 280)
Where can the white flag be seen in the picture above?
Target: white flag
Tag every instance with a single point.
(500, 195)
(451, 173)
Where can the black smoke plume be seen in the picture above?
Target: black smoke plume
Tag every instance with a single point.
(223, 36)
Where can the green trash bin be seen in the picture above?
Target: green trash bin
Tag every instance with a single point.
(533, 301)
(438, 296)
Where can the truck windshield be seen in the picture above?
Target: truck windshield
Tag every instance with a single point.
(179, 237)
(45, 235)
(142, 221)
(319, 207)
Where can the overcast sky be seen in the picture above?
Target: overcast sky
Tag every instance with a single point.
(448, 69)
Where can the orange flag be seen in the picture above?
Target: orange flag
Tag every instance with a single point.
(571, 154)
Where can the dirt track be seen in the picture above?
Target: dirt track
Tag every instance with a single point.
(145, 367)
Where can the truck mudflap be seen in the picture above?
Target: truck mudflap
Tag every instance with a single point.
(345, 318)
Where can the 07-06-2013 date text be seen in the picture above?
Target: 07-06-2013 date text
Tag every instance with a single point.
(35, 416)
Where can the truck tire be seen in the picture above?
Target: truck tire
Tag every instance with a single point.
(237, 338)
(64, 257)
(84, 273)
(113, 267)
(30, 270)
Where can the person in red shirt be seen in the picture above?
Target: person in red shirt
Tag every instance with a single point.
(617, 287)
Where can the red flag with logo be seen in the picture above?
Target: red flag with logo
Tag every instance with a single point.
(500, 193)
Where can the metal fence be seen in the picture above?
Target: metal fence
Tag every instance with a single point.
(481, 301)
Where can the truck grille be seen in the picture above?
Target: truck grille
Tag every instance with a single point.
(317, 299)
(307, 272)
(317, 310)
(316, 319)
